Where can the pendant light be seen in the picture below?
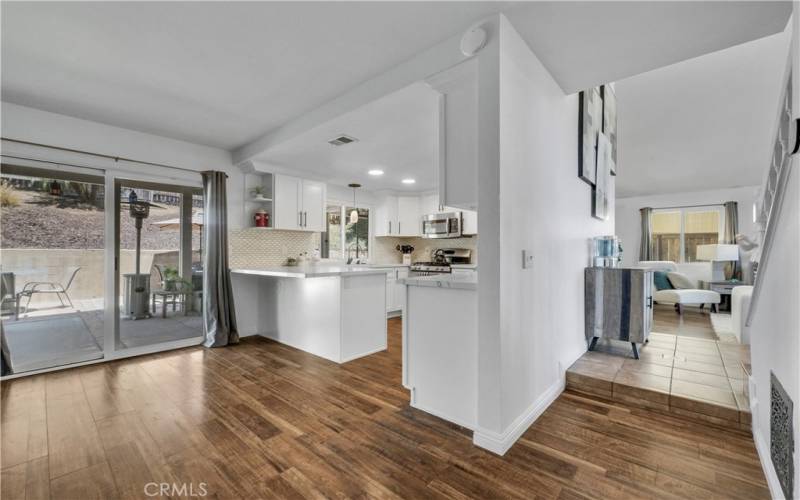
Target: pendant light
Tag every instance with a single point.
(354, 212)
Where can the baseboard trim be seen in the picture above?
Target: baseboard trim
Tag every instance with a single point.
(500, 443)
(369, 353)
(762, 447)
(457, 421)
(766, 463)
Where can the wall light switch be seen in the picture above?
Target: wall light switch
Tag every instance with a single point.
(527, 259)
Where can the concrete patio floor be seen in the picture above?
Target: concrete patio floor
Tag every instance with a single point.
(51, 335)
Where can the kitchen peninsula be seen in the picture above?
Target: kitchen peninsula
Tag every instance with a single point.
(440, 345)
(337, 312)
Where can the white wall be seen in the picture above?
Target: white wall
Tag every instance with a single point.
(628, 219)
(33, 125)
(546, 209)
(776, 325)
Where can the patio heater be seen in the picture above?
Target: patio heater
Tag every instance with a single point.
(136, 294)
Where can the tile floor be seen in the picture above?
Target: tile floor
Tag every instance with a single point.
(696, 378)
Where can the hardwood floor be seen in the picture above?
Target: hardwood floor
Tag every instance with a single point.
(694, 322)
(262, 420)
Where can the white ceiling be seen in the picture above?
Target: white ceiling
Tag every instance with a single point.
(215, 73)
(584, 44)
(706, 123)
(225, 73)
(396, 134)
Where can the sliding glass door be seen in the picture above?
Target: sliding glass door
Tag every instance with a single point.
(159, 273)
(95, 267)
(53, 267)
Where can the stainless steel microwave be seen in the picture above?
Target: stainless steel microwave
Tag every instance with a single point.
(442, 225)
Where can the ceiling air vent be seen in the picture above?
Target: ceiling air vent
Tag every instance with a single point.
(342, 140)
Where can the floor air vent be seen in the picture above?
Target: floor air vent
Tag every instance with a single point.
(781, 448)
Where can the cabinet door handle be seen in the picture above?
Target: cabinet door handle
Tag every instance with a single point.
(398, 228)
(390, 227)
(305, 219)
(300, 219)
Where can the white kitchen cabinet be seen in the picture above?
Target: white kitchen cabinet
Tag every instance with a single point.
(386, 217)
(469, 222)
(313, 206)
(286, 202)
(402, 215)
(299, 204)
(395, 291)
(391, 283)
(409, 219)
(429, 204)
(400, 289)
(458, 134)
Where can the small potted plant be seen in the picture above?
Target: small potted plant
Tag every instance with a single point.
(406, 250)
(173, 281)
(258, 193)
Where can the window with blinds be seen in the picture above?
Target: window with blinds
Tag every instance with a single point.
(677, 232)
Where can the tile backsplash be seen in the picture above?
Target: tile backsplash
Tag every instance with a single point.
(258, 248)
(254, 248)
(384, 249)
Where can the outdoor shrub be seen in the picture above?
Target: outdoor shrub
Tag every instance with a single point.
(9, 197)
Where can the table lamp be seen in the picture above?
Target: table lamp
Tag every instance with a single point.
(718, 254)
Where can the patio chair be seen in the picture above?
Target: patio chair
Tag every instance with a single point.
(33, 287)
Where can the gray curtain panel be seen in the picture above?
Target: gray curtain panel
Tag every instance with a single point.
(219, 317)
(732, 269)
(646, 245)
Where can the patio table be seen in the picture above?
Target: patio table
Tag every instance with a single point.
(170, 296)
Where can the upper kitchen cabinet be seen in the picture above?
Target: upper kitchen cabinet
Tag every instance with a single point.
(469, 222)
(299, 204)
(386, 217)
(429, 204)
(458, 135)
(409, 219)
(314, 194)
(398, 216)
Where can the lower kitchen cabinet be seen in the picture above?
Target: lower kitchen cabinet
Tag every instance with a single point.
(395, 291)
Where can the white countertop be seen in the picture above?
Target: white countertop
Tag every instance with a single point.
(386, 266)
(460, 281)
(464, 266)
(309, 271)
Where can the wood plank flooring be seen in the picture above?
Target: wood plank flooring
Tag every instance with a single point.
(262, 420)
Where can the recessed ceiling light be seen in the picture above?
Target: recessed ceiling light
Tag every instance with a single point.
(408, 181)
(375, 171)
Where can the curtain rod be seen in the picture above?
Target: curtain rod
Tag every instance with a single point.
(689, 206)
(99, 155)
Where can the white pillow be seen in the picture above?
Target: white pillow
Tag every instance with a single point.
(680, 281)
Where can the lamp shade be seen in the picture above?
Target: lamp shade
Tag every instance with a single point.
(718, 252)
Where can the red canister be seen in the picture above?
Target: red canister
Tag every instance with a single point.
(261, 218)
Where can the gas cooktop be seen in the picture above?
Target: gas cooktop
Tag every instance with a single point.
(435, 267)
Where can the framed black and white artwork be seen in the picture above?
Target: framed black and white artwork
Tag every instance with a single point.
(590, 122)
(600, 192)
(610, 122)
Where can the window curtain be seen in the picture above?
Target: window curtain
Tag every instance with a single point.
(219, 317)
(646, 245)
(732, 269)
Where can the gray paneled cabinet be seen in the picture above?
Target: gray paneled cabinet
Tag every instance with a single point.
(618, 305)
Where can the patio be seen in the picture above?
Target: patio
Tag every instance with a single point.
(51, 335)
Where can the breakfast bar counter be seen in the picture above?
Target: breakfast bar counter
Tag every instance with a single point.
(337, 312)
